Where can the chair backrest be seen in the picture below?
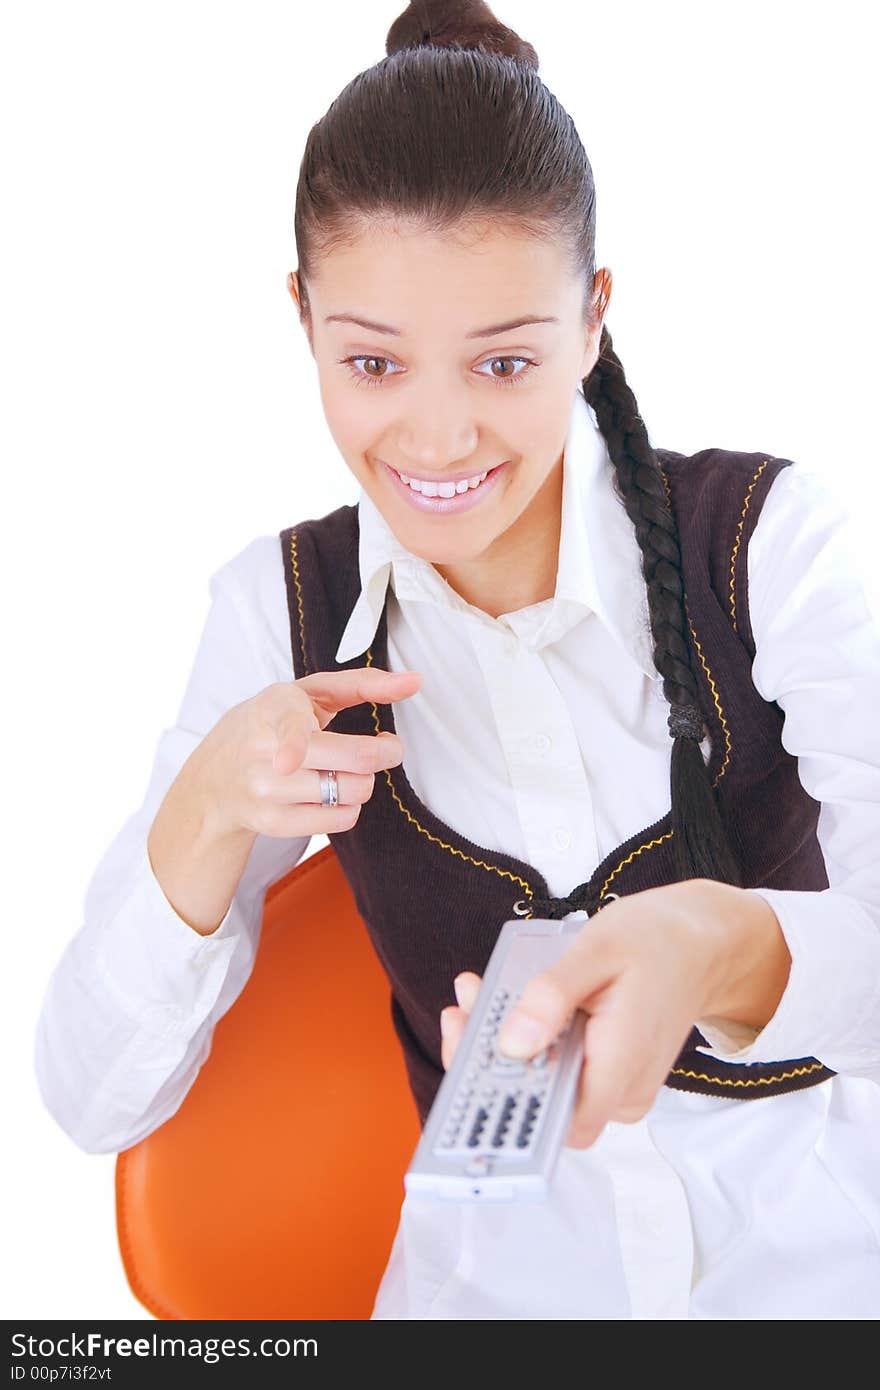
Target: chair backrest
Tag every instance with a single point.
(275, 1189)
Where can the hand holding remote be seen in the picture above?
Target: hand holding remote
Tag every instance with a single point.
(498, 1121)
(453, 1021)
(644, 970)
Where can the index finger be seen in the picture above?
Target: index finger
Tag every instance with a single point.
(335, 690)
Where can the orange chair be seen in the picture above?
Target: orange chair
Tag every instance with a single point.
(275, 1189)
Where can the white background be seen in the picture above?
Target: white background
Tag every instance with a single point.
(161, 406)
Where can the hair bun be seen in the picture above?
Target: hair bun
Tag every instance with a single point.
(463, 23)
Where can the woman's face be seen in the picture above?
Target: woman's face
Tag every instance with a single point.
(438, 383)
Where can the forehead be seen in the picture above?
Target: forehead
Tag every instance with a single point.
(402, 274)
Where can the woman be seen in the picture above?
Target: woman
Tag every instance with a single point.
(533, 588)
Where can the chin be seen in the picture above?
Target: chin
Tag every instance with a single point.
(446, 553)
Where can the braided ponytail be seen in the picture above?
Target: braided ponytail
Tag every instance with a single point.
(470, 133)
(700, 843)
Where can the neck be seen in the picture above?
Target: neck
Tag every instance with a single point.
(519, 567)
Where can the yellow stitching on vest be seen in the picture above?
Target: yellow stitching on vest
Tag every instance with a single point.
(505, 873)
(682, 1071)
(299, 606)
(649, 845)
(716, 699)
(714, 688)
(757, 475)
(752, 1081)
(666, 485)
(668, 836)
(479, 863)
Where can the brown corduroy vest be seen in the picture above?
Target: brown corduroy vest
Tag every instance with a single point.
(434, 902)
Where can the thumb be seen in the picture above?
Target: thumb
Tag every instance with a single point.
(453, 1022)
(538, 1016)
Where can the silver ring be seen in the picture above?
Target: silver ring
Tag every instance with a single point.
(329, 789)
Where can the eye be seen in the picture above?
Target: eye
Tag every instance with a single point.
(363, 378)
(516, 377)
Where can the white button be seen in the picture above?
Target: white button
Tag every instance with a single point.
(561, 838)
(541, 743)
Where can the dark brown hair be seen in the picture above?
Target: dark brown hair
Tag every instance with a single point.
(454, 128)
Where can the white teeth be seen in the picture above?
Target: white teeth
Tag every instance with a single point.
(443, 489)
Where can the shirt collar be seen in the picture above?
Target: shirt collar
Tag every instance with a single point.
(599, 569)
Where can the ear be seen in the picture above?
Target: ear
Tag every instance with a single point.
(602, 282)
(293, 289)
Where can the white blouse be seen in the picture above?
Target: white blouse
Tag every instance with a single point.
(546, 738)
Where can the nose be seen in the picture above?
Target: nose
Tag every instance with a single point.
(436, 442)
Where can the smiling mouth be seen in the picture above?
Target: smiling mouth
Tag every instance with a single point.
(450, 501)
(442, 487)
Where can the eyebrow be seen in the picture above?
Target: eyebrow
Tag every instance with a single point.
(489, 332)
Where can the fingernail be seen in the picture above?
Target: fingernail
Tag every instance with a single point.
(520, 1034)
(444, 1023)
(455, 986)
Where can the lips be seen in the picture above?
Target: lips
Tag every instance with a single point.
(438, 482)
(460, 502)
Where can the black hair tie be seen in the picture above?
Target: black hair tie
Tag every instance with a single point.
(686, 721)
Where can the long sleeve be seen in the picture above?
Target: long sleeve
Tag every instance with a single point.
(130, 1008)
(818, 656)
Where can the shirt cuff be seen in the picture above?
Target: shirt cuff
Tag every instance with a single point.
(161, 972)
(830, 1008)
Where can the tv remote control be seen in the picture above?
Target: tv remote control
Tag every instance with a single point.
(497, 1124)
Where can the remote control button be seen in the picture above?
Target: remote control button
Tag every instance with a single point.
(480, 1119)
(507, 1066)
